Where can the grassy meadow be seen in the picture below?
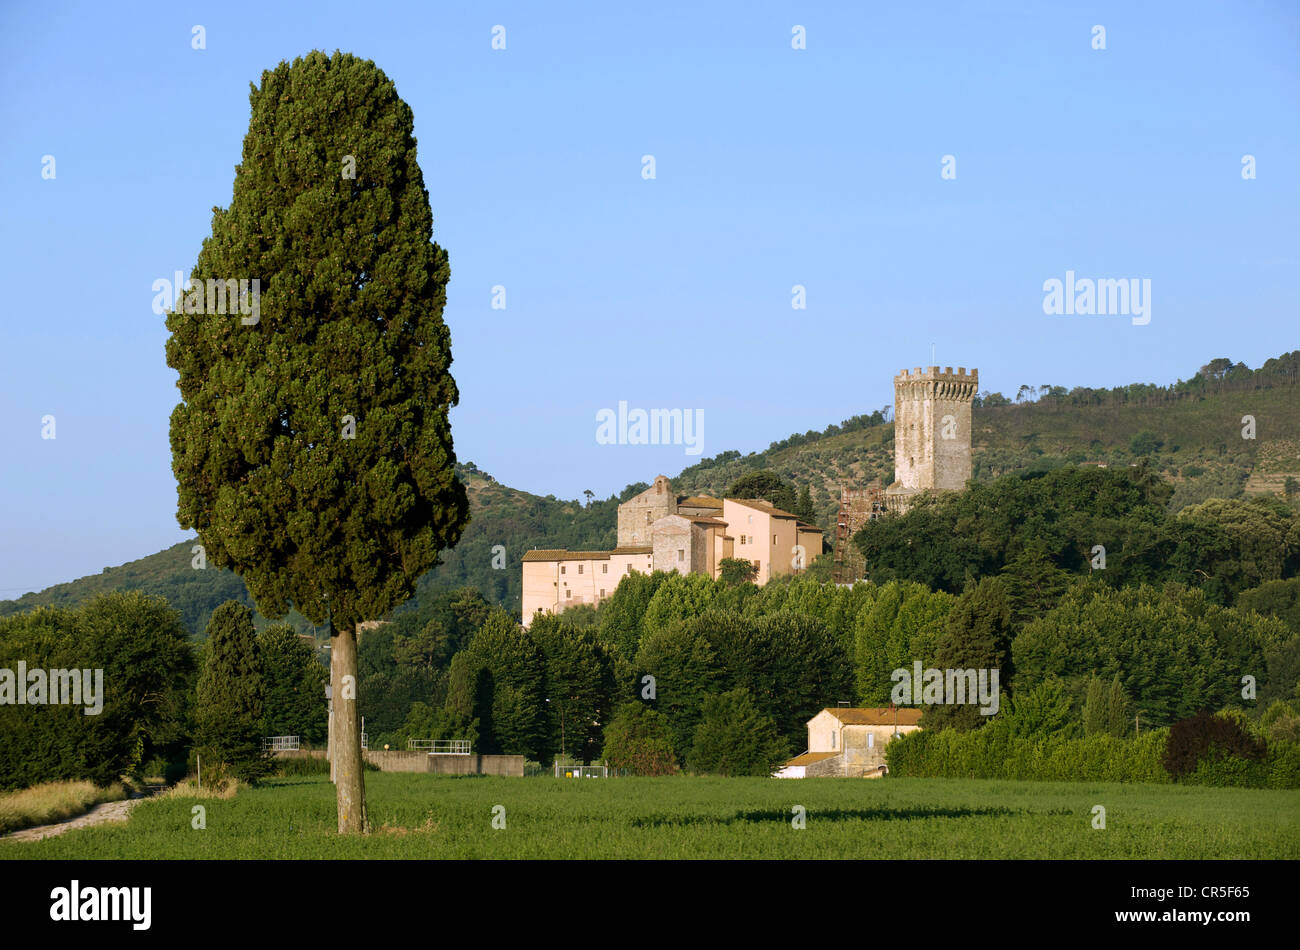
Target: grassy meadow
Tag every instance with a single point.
(424, 816)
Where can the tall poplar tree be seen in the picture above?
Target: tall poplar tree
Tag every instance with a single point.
(312, 447)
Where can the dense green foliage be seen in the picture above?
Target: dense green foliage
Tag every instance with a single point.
(766, 485)
(148, 669)
(294, 680)
(639, 741)
(734, 738)
(737, 570)
(580, 685)
(312, 449)
(230, 696)
(1065, 517)
(1174, 652)
(995, 753)
(497, 691)
(406, 661)
(977, 635)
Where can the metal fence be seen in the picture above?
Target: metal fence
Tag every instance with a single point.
(580, 771)
(439, 746)
(280, 743)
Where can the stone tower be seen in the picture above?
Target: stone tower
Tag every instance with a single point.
(932, 431)
(638, 513)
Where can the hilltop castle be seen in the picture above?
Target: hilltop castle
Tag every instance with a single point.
(659, 530)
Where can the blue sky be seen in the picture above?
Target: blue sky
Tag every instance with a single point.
(774, 167)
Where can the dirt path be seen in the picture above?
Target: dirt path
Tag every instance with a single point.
(100, 814)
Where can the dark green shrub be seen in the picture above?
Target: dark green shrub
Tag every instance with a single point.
(1206, 736)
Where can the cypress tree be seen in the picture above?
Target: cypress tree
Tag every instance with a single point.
(230, 694)
(1117, 709)
(976, 635)
(1096, 708)
(312, 448)
(295, 702)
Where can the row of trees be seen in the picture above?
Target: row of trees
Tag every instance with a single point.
(673, 672)
(1218, 376)
(165, 698)
(1072, 650)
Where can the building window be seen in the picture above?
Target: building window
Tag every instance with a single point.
(647, 517)
(604, 569)
(567, 593)
(832, 738)
(580, 567)
(681, 554)
(871, 740)
(602, 592)
(774, 539)
(561, 568)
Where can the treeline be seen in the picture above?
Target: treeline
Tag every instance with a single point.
(852, 424)
(1218, 376)
(164, 699)
(670, 663)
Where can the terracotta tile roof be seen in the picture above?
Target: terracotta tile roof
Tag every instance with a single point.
(801, 526)
(884, 716)
(633, 549)
(808, 758)
(699, 501)
(559, 554)
(759, 504)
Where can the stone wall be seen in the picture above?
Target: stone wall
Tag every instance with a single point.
(679, 534)
(400, 760)
(832, 767)
(300, 754)
(403, 761)
(395, 760)
(638, 513)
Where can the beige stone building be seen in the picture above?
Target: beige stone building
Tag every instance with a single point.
(850, 742)
(661, 531)
(932, 432)
(775, 541)
(555, 580)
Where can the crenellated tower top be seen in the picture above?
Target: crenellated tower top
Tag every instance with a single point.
(918, 384)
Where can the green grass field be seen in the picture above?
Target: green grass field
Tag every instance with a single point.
(423, 816)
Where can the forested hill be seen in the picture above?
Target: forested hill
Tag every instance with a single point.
(1191, 431)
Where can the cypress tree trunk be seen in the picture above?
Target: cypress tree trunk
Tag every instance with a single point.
(349, 783)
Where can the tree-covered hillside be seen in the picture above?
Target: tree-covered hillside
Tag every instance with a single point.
(1190, 432)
